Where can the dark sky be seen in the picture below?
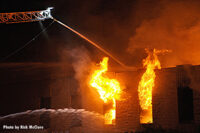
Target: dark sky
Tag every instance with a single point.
(110, 23)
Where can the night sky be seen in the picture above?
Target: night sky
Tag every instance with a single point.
(109, 23)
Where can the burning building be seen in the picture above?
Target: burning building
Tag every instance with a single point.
(175, 96)
(173, 93)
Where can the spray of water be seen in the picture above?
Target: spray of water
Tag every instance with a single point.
(60, 119)
(94, 44)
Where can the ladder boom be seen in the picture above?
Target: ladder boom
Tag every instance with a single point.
(30, 16)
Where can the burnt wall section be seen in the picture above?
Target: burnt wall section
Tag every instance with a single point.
(185, 95)
(188, 85)
(195, 85)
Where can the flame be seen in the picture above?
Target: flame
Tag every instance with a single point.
(146, 84)
(108, 89)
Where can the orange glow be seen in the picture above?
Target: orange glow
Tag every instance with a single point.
(146, 84)
(108, 89)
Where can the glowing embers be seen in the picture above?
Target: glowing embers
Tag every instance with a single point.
(108, 89)
(146, 85)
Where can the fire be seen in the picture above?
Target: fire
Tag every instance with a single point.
(108, 89)
(146, 84)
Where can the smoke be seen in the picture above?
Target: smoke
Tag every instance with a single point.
(79, 57)
(176, 28)
(136, 25)
(81, 61)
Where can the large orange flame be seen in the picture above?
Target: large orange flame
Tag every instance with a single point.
(146, 84)
(108, 89)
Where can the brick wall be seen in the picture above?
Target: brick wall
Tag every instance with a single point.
(127, 110)
(165, 106)
(165, 100)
